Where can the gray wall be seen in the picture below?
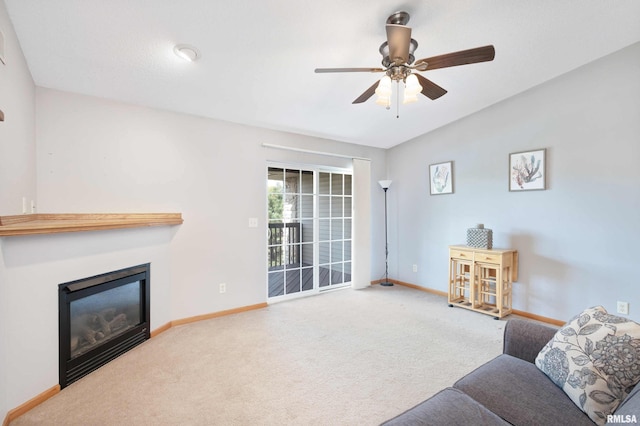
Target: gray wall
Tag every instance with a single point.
(577, 240)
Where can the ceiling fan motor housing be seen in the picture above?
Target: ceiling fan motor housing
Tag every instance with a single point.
(384, 51)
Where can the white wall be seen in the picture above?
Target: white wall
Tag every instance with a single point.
(17, 161)
(95, 155)
(100, 156)
(577, 240)
(17, 132)
(35, 265)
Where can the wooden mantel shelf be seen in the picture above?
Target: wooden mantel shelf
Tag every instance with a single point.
(42, 223)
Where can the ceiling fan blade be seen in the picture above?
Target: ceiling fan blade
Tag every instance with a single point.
(398, 39)
(325, 70)
(429, 88)
(463, 57)
(367, 93)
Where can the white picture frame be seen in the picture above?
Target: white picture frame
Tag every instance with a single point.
(527, 170)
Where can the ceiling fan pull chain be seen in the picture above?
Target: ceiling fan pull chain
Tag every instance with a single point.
(398, 100)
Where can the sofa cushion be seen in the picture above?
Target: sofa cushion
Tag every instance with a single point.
(525, 339)
(447, 407)
(595, 360)
(521, 394)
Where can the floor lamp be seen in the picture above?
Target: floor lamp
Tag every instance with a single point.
(385, 184)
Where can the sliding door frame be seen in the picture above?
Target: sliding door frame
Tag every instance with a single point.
(316, 243)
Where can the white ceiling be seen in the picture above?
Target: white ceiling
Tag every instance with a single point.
(259, 56)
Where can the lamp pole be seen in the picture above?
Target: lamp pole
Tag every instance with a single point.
(385, 184)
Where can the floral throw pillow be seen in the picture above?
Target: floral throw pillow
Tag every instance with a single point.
(595, 360)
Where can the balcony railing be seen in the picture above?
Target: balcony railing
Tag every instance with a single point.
(284, 244)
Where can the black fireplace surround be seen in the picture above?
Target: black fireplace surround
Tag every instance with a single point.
(100, 318)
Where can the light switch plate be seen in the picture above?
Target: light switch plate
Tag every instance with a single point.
(253, 222)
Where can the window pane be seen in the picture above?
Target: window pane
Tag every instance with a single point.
(292, 181)
(306, 254)
(275, 179)
(324, 183)
(347, 250)
(347, 229)
(275, 233)
(323, 206)
(306, 233)
(306, 206)
(324, 253)
(307, 182)
(290, 208)
(276, 284)
(336, 274)
(347, 206)
(324, 226)
(336, 251)
(292, 256)
(275, 258)
(347, 271)
(336, 184)
(336, 229)
(307, 279)
(347, 184)
(325, 276)
(336, 206)
(275, 206)
(293, 281)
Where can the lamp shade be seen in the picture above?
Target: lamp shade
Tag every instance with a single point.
(385, 184)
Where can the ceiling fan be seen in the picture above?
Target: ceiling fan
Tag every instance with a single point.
(398, 62)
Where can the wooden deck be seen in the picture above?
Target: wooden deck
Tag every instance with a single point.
(301, 279)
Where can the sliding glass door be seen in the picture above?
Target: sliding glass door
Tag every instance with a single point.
(334, 223)
(309, 230)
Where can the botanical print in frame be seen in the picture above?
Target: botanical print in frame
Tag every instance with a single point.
(441, 178)
(527, 170)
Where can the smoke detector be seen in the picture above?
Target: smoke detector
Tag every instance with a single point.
(187, 52)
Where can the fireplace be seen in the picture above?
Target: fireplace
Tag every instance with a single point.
(100, 318)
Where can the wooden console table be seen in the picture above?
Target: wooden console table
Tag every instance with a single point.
(482, 279)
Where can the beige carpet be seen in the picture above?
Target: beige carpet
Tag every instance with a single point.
(348, 357)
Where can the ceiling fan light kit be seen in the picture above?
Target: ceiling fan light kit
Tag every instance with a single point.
(411, 89)
(383, 91)
(397, 59)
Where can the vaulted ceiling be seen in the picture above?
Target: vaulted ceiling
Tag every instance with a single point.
(258, 57)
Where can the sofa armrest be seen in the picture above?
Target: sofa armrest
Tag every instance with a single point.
(525, 339)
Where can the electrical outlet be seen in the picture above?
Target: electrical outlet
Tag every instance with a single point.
(223, 287)
(415, 268)
(623, 308)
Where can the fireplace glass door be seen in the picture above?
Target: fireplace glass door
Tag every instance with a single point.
(100, 317)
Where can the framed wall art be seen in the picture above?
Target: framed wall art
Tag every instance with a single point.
(441, 178)
(527, 170)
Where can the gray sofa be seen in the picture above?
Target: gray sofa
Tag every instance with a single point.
(510, 389)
